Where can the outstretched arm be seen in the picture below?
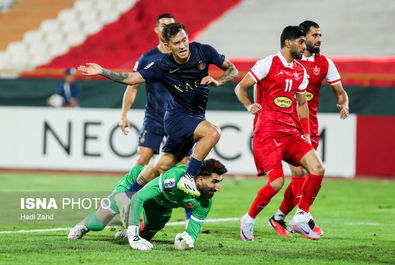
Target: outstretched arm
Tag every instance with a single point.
(230, 73)
(242, 95)
(127, 78)
(342, 100)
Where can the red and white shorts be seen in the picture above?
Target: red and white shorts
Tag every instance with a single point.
(269, 150)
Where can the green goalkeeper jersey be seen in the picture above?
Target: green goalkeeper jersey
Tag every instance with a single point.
(163, 190)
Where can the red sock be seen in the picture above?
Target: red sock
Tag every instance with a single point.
(311, 187)
(266, 193)
(264, 196)
(297, 187)
(288, 202)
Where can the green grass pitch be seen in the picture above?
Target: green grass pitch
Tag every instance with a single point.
(358, 219)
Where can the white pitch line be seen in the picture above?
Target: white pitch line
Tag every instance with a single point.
(231, 219)
(68, 228)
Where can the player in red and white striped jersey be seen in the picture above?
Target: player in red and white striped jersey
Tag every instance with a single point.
(318, 67)
(280, 93)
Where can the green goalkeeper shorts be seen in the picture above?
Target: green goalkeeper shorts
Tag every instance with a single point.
(155, 216)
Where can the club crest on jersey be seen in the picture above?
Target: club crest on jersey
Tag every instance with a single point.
(189, 204)
(201, 65)
(169, 183)
(309, 96)
(283, 102)
(316, 70)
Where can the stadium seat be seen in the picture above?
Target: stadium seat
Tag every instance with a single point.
(91, 28)
(71, 27)
(83, 5)
(59, 49)
(104, 5)
(54, 39)
(108, 16)
(75, 39)
(6, 4)
(32, 36)
(16, 48)
(88, 16)
(67, 15)
(50, 26)
(122, 5)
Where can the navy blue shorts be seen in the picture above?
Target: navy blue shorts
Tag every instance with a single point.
(179, 128)
(151, 136)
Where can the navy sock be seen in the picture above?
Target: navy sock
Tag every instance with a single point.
(194, 166)
(188, 213)
(135, 187)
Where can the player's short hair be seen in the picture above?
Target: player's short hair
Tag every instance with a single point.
(307, 24)
(212, 166)
(171, 30)
(291, 33)
(165, 15)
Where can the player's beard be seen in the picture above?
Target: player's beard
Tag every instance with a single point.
(311, 48)
(206, 191)
(296, 54)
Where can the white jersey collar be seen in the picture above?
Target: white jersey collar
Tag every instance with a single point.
(309, 59)
(285, 63)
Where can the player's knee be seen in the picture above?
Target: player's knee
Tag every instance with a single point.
(277, 184)
(214, 134)
(318, 169)
(276, 178)
(298, 172)
(143, 159)
(162, 168)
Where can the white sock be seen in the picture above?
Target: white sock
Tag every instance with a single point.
(250, 219)
(279, 215)
(301, 216)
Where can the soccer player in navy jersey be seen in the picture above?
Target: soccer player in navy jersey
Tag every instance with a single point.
(152, 132)
(158, 97)
(185, 74)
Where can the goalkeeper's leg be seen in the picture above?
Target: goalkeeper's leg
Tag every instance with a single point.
(95, 221)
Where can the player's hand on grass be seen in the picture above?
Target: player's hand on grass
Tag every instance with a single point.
(343, 111)
(183, 241)
(90, 69)
(136, 241)
(254, 108)
(209, 80)
(125, 125)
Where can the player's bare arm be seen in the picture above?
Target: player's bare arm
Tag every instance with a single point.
(127, 78)
(128, 99)
(342, 100)
(303, 110)
(242, 95)
(230, 73)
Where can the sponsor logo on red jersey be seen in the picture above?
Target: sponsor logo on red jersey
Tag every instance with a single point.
(283, 102)
(309, 96)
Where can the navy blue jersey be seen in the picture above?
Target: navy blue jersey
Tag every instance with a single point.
(183, 80)
(69, 92)
(158, 96)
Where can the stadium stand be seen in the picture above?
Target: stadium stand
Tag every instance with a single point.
(59, 29)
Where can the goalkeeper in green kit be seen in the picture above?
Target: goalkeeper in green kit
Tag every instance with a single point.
(157, 198)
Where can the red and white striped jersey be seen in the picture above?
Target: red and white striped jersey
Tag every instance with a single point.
(318, 67)
(277, 83)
